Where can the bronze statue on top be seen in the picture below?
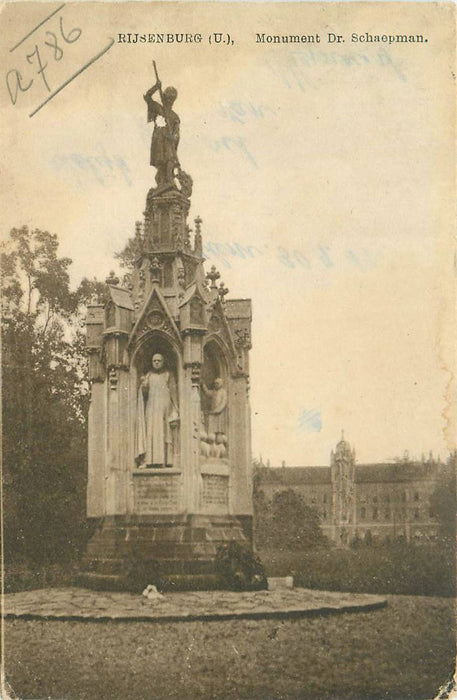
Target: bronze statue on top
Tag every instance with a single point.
(165, 137)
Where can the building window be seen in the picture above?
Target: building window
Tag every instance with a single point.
(403, 497)
(387, 513)
(387, 498)
(416, 513)
(324, 514)
(363, 513)
(416, 496)
(375, 513)
(324, 499)
(375, 499)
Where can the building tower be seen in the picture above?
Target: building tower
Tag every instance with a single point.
(169, 422)
(344, 510)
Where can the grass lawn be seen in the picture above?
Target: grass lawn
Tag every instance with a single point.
(405, 651)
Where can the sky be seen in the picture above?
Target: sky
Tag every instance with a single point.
(324, 175)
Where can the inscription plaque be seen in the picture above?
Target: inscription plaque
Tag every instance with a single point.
(215, 492)
(157, 494)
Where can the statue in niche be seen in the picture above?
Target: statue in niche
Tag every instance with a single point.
(216, 418)
(165, 137)
(157, 416)
(204, 444)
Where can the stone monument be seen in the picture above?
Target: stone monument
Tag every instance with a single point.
(169, 475)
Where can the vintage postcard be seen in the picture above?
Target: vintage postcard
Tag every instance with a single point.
(228, 350)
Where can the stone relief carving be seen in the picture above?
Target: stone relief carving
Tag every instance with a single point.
(213, 439)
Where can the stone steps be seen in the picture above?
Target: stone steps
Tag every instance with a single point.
(173, 582)
(99, 582)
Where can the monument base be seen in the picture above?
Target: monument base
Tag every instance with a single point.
(181, 547)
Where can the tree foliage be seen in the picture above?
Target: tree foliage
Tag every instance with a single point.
(294, 524)
(443, 502)
(45, 399)
(128, 254)
(285, 522)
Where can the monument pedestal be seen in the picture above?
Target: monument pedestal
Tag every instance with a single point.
(183, 548)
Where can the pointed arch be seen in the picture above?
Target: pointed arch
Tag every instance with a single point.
(154, 317)
(225, 350)
(156, 340)
(216, 361)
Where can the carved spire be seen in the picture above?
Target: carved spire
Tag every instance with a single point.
(138, 227)
(198, 243)
(138, 239)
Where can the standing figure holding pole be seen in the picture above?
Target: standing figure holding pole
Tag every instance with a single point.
(165, 137)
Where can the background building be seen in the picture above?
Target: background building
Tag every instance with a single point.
(381, 501)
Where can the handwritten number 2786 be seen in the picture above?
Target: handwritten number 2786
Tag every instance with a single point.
(14, 80)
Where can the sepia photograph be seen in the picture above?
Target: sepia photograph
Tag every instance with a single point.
(228, 351)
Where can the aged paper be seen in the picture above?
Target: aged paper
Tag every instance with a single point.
(320, 140)
(323, 173)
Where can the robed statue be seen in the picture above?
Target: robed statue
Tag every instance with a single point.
(216, 414)
(157, 415)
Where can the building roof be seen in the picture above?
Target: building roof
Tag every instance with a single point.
(121, 297)
(238, 308)
(293, 476)
(393, 472)
(388, 472)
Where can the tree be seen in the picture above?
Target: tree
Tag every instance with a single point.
(45, 400)
(129, 253)
(294, 524)
(443, 501)
(261, 509)
(285, 522)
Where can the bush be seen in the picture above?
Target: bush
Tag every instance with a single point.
(139, 573)
(25, 577)
(239, 568)
(397, 568)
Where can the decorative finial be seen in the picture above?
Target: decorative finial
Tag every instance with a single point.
(198, 225)
(342, 436)
(213, 275)
(112, 279)
(222, 291)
